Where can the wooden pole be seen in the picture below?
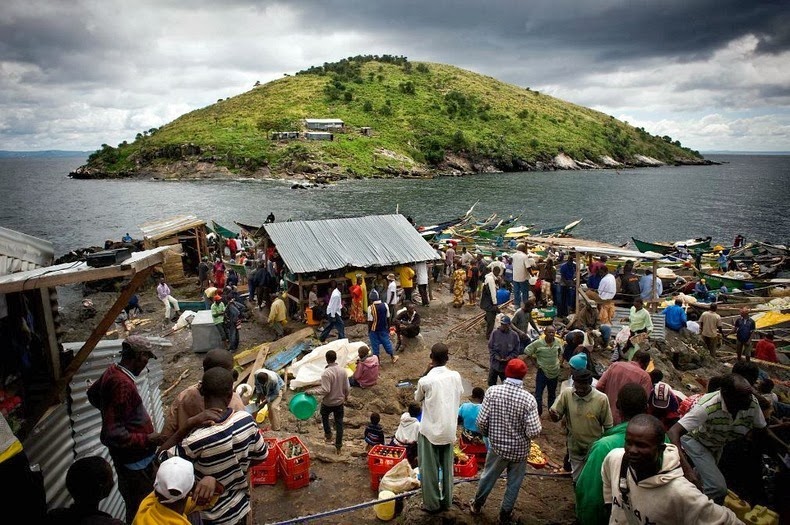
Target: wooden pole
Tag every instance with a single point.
(55, 392)
(653, 294)
(578, 279)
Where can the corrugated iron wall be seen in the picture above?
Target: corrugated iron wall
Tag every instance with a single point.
(51, 446)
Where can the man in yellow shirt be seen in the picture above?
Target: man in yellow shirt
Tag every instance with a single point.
(407, 281)
(173, 499)
(277, 317)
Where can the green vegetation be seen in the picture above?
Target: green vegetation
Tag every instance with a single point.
(419, 114)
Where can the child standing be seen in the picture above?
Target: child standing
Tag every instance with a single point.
(374, 434)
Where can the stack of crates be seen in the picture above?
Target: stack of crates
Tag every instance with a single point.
(294, 461)
(265, 472)
(473, 449)
(381, 458)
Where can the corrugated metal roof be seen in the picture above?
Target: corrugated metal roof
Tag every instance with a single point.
(20, 252)
(159, 229)
(51, 446)
(618, 252)
(79, 271)
(357, 242)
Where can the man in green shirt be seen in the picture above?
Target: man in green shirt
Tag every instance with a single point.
(587, 416)
(590, 508)
(639, 322)
(546, 352)
(218, 316)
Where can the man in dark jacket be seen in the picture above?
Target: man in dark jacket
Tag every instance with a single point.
(127, 430)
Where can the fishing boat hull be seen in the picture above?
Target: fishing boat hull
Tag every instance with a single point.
(716, 281)
(666, 248)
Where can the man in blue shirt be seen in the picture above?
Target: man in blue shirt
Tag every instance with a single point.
(468, 412)
(743, 328)
(646, 287)
(675, 316)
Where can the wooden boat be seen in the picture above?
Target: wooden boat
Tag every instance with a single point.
(222, 231)
(559, 231)
(666, 248)
(716, 281)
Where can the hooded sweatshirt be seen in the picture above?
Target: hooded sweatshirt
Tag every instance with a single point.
(667, 497)
(408, 430)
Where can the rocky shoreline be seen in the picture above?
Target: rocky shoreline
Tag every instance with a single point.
(318, 173)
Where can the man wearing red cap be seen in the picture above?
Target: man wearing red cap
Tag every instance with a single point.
(509, 418)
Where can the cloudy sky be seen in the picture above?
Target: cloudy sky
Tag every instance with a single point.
(714, 74)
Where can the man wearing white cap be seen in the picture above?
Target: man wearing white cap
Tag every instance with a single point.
(170, 502)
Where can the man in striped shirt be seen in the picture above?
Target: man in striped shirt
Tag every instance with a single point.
(223, 451)
(717, 419)
(509, 417)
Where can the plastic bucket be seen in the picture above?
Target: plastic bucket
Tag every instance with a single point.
(302, 405)
(261, 415)
(385, 511)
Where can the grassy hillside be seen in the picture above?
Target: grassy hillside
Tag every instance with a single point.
(424, 118)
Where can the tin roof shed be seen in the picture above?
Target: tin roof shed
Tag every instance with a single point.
(357, 242)
(155, 230)
(20, 252)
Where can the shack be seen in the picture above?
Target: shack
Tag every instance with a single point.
(44, 381)
(185, 230)
(319, 135)
(322, 124)
(316, 252)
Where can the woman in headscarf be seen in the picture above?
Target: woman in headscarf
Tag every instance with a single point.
(357, 313)
(459, 283)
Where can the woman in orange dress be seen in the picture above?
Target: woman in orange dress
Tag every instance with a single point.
(357, 311)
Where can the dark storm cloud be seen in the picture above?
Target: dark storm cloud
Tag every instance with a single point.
(611, 30)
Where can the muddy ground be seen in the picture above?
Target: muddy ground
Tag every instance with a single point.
(343, 480)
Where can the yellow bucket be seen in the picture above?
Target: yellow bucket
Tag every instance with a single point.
(261, 415)
(385, 511)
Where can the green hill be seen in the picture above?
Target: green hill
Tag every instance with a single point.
(424, 119)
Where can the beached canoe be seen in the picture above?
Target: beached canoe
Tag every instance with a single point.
(223, 232)
(667, 247)
(716, 281)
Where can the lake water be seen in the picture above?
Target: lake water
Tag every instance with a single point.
(747, 194)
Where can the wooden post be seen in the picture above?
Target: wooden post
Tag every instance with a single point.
(197, 245)
(653, 294)
(578, 279)
(301, 297)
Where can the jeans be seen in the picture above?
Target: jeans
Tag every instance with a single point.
(223, 333)
(520, 293)
(338, 412)
(493, 468)
(606, 333)
(334, 322)
(541, 382)
(567, 300)
(380, 338)
(432, 458)
(233, 337)
(493, 375)
(705, 463)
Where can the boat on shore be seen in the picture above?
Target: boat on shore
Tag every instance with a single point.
(666, 248)
(756, 286)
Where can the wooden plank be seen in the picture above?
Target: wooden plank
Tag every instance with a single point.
(262, 355)
(247, 357)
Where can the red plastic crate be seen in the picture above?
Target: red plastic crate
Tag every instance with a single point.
(381, 458)
(297, 481)
(274, 452)
(473, 449)
(262, 474)
(296, 464)
(466, 469)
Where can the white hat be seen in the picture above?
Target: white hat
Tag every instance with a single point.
(174, 479)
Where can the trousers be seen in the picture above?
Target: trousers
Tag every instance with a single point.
(436, 495)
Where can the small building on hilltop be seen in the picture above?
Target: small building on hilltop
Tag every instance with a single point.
(185, 230)
(321, 124)
(319, 135)
(316, 252)
(285, 135)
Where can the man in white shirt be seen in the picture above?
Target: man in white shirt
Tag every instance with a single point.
(605, 295)
(439, 391)
(488, 301)
(163, 293)
(521, 274)
(421, 276)
(392, 296)
(333, 314)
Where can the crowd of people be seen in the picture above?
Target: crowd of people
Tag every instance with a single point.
(636, 450)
